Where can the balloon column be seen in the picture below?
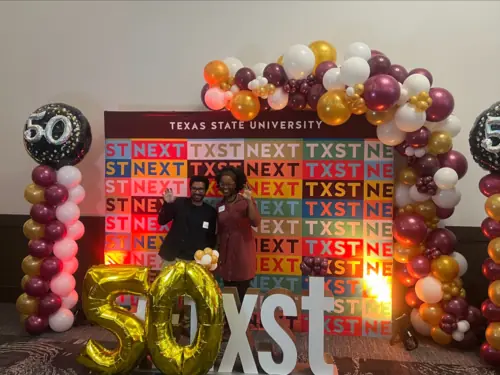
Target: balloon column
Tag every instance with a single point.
(56, 136)
(484, 141)
(411, 115)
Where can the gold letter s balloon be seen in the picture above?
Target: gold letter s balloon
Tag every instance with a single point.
(101, 286)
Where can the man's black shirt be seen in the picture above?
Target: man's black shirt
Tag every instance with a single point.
(193, 228)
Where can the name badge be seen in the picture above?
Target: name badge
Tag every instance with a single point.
(205, 225)
(222, 208)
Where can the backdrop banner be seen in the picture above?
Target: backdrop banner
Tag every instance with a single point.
(322, 192)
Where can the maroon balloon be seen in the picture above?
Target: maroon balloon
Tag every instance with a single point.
(489, 355)
(379, 64)
(49, 304)
(424, 72)
(314, 95)
(317, 261)
(243, 77)
(490, 184)
(297, 101)
(50, 267)
(491, 270)
(275, 74)
(490, 228)
(474, 317)
(403, 276)
(56, 194)
(44, 176)
(264, 104)
(442, 104)
(381, 92)
(470, 341)
(36, 287)
(42, 213)
(55, 230)
(449, 318)
(412, 300)
(409, 229)
(458, 307)
(306, 270)
(377, 53)
(309, 261)
(36, 325)
(427, 165)
(419, 138)
(490, 311)
(322, 68)
(204, 90)
(401, 148)
(398, 72)
(443, 239)
(454, 160)
(444, 213)
(40, 248)
(448, 327)
(419, 266)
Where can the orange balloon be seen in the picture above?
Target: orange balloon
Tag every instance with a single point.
(439, 336)
(445, 268)
(245, 106)
(493, 335)
(403, 254)
(431, 313)
(216, 72)
(333, 108)
(379, 118)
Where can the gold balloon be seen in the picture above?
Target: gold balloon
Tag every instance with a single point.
(403, 254)
(463, 293)
(34, 194)
(426, 209)
(494, 292)
(492, 207)
(216, 72)
(280, 60)
(439, 143)
(494, 250)
(245, 106)
(431, 313)
(333, 108)
(101, 286)
(33, 230)
(359, 88)
(323, 51)
(22, 318)
(439, 336)
(379, 118)
(174, 281)
(408, 176)
(358, 107)
(493, 335)
(444, 268)
(31, 265)
(27, 305)
(24, 280)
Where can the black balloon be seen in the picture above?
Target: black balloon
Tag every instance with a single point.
(57, 135)
(484, 139)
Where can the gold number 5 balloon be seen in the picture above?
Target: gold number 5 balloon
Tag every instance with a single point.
(103, 284)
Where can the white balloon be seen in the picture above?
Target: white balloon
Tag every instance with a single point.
(358, 49)
(462, 263)
(68, 213)
(463, 326)
(61, 320)
(420, 326)
(416, 83)
(233, 65)
(258, 69)
(298, 61)
(354, 70)
(448, 198)
(215, 98)
(75, 231)
(428, 289)
(408, 119)
(416, 195)
(235, 89)
(331, 79)
(70, 266)
(278, 100)
(213, 267)
(451, 125)
(402, 196)
(419, 152)
(446, 178)
(215, 253)
(77, 194)
(62, 284)
(65, 249)
(389, 134)
(441, 224)
(457, 336)
(403, 96)
(69, 176)
(70, 300)
(206, 260)
(431, 125)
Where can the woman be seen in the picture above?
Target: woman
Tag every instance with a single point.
(237, 213)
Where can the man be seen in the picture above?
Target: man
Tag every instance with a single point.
(194, 223)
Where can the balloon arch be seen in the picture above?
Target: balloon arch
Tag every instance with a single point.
(411, 115)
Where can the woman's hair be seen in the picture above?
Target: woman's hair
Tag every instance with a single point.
(236, 174)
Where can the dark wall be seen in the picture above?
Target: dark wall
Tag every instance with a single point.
(13, 247)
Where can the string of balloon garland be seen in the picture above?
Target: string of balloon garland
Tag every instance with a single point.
(56, 136)
(410, 115)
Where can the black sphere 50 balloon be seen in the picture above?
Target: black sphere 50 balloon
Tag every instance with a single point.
(484, 139)
(57, 135)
